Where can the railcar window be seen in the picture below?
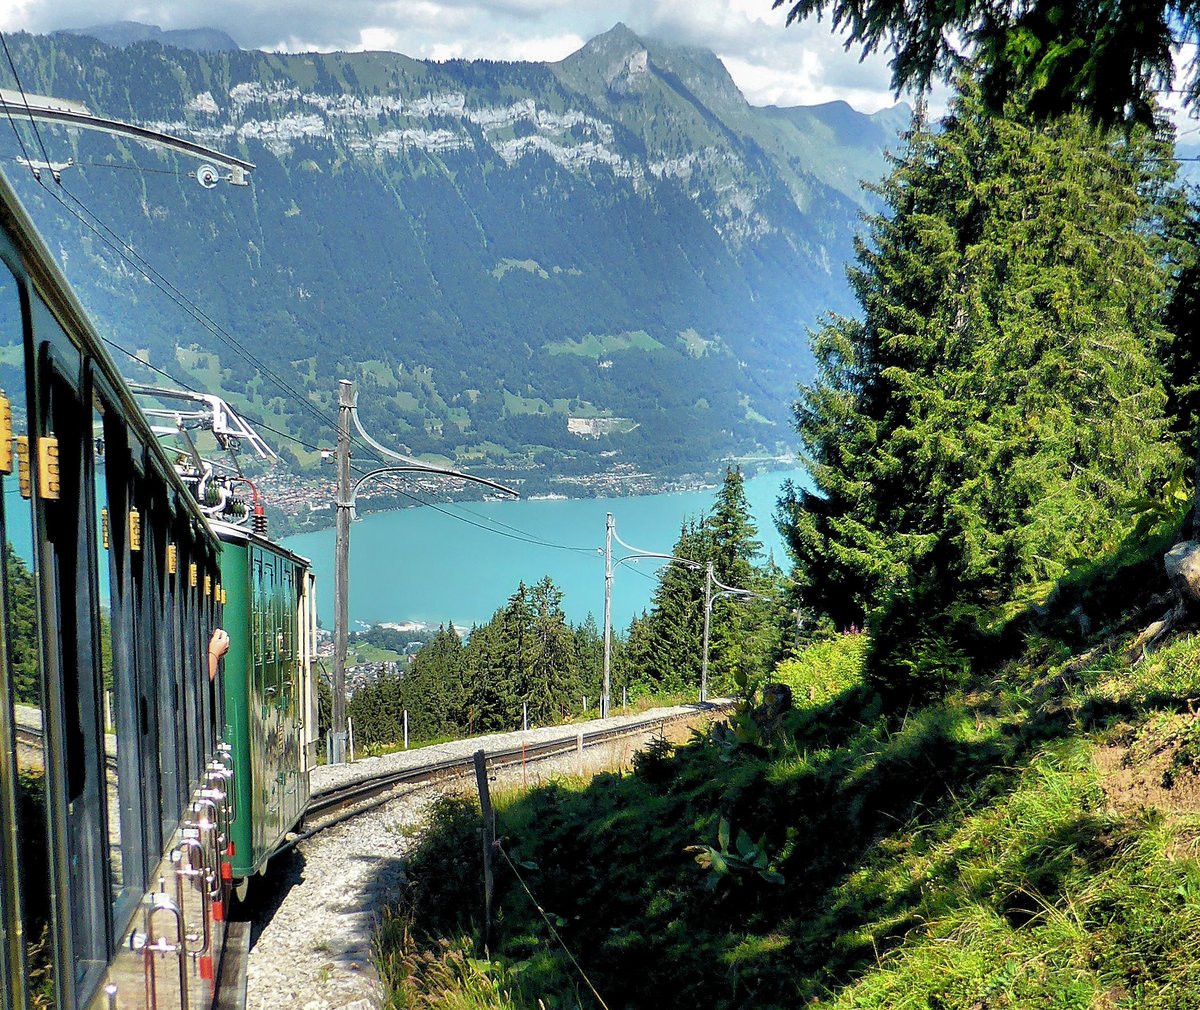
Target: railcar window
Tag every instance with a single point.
(118, 709)
(30, 945)
(143, 572)
(194, 677)
(177, 690)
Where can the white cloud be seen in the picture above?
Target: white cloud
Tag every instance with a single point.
(772, 63)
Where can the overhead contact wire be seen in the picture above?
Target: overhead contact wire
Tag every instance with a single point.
(127, 252)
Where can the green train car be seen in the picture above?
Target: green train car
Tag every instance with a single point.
(269, 691)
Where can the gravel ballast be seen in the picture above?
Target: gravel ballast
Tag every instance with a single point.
(314, 952)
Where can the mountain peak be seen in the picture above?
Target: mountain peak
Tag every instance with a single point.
(120, 34)
(619, 36)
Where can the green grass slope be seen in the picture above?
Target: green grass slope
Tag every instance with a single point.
(1028, 842)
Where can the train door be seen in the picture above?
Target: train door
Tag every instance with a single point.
(273, 696)
(309, 714)
(289, 670)
(266, 696)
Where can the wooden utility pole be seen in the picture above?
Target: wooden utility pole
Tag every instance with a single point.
(488, 833)
(341, 574)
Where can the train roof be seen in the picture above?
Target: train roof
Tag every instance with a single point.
(231, 534)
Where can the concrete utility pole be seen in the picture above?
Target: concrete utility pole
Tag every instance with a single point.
(607, 614)
(341, 573)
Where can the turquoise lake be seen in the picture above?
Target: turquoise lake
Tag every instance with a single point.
(420, 565)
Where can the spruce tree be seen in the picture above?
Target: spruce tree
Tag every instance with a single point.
(1001, 398)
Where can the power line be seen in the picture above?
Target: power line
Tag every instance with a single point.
(154, 368)
(132, 256)
(127, 252)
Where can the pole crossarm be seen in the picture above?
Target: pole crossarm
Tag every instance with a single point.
(695, 565)
(710, 580)
(412, 465)
(637, 552)
(422, 468)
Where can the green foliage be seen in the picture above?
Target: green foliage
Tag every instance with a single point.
(978, 852)
(527, 658)
(746, 858)
(824, 669)
(1106, 60)
(1001, 400)
(746, 635)
(1183, 356)
(22, 641)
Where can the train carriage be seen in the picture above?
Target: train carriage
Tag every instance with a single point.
(130, 781)
(270, 698)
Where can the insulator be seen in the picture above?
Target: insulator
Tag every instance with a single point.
(259, 524)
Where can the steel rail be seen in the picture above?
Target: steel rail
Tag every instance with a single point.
(371, 793)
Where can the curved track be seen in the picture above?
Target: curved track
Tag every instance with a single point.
(332, 806)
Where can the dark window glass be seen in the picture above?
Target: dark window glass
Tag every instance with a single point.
(126, 853)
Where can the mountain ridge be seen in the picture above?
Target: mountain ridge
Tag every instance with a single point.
(126, 33)
(505, 252)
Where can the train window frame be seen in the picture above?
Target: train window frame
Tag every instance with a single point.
(141, 588)
(176, 596)
(170, 804)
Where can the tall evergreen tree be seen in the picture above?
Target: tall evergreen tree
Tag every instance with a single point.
(734, 543)
(1001, 398)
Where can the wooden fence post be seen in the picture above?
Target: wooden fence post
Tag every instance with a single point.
(489, 847)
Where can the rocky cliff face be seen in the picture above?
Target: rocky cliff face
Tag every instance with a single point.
(492, 249)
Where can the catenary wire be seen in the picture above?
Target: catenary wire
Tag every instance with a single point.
(523, 535)
(131, 255)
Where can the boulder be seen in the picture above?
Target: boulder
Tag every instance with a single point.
(1183, 569)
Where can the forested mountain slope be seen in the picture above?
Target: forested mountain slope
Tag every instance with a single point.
(491, 249)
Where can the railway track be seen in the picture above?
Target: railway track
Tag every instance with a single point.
(337, 885)
(332, 806)
(30, 737)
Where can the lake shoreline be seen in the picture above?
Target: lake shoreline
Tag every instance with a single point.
(460, 563)
(324, 518)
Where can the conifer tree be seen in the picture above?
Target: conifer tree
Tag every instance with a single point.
(1001, 399)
